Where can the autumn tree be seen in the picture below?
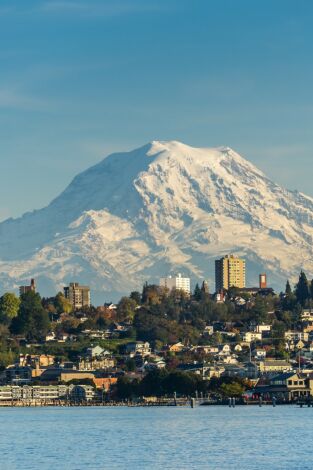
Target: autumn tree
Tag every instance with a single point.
(9, 305)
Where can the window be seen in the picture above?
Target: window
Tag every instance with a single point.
(289, 382)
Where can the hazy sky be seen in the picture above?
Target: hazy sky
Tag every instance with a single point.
(82, 78)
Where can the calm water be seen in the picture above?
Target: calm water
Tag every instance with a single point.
(156, 438)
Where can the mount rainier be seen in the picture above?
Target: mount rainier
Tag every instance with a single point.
(163, 208)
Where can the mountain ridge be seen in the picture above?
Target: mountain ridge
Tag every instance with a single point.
(164, 207)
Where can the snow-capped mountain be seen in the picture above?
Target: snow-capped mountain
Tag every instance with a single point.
(163, 208)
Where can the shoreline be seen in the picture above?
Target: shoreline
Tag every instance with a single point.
(188, 403)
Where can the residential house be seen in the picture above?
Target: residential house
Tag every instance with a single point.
(296, 336)
(259, 354)
(250, 336)
(263, 328)
(208, 330)
(104, 383)
(95, 351)
(137, 347)
(176, 347)
(274, 365)
(50, 336)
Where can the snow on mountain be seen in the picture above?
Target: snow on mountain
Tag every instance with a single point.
(163, 208)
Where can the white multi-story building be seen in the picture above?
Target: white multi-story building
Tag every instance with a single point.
(252, 336)
(178, 282)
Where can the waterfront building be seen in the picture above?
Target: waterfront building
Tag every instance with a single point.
(18, 375)
(230, 271)
(178, 282)
(79, 296)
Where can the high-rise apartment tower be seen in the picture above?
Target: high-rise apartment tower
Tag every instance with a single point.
(230, 271)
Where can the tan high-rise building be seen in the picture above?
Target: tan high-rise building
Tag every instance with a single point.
(78, 295)
(230, 271)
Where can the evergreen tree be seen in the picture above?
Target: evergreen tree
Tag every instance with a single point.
(32, 319)
(259, 309)
(302, 289)
(136, 296)
(197, 293)
(288, 289)
(311, 289)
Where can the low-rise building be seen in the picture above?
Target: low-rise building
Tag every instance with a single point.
(137, 347)
(274, 365)
(250, 336)
(292, 385)
(176, 347)
(296, 336)
(263, 328)
(259, 354)
(18, 375)
(105, 383)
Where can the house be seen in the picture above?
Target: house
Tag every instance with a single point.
(259, 354)
(50, 336)
(96, 363)
(296, 336)
(104, 383)
(95, 334)
(62, 337)
(234, 370)
(137, 347)
(224, 350)
(198, 368)
(274, 365)
(176, 347)
(230, 359)
(208, 330)
(214, 371)
(252, 336)
(95, 351)
(36, 360)
(205, 349)
(306, 316)
(263, 328)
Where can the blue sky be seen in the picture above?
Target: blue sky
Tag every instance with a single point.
(80, 79)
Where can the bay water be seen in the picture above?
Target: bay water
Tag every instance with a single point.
(206, 437)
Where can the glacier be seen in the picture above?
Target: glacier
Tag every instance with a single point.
(160, 209)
